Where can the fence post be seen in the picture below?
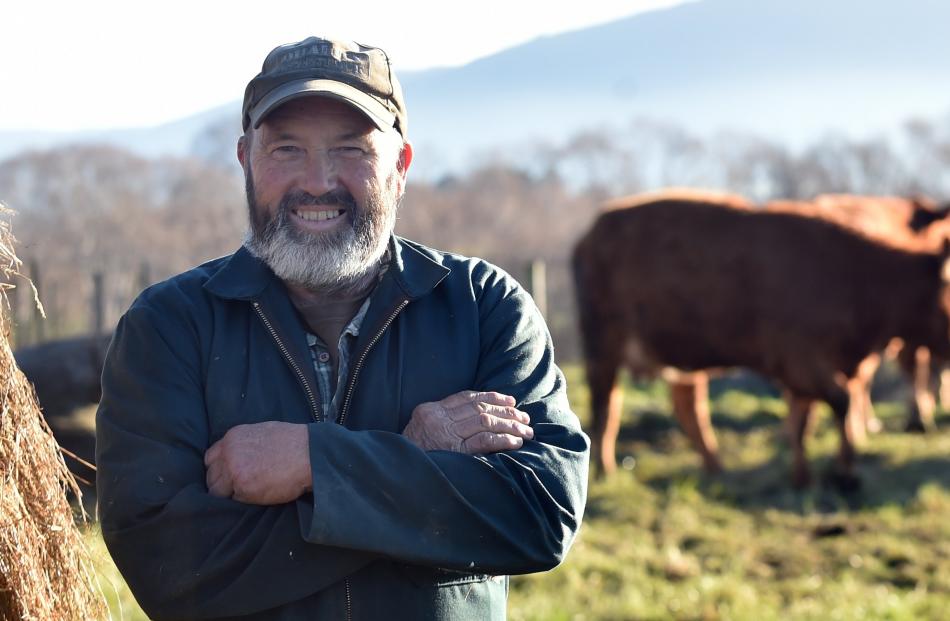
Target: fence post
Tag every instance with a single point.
(539, 287)
(98, 303)
(145, 276)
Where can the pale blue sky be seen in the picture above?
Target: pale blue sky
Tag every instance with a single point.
(99, 64)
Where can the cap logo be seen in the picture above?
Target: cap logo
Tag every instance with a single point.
(321, 55)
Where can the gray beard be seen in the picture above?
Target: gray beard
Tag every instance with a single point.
(337, 262)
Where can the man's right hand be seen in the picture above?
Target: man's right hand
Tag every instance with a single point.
(469, 422)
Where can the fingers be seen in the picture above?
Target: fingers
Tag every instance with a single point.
(219, 482)
(212, 453)
(488, 442)
(494, 419)
(470, 396)
(469, 422)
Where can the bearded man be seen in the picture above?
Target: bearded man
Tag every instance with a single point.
(333, 422)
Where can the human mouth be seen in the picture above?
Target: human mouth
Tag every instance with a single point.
(318, 216)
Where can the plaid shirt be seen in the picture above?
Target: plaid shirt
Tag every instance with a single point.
(330, 388)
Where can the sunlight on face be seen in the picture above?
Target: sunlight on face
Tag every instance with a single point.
(323, 186)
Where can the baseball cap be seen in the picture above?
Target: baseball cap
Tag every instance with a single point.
(357, 74)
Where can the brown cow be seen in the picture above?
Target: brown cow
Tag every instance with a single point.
(679, 286)
(891, 219)
(913, 222)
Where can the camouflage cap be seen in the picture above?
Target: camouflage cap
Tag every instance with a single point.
(358, 74)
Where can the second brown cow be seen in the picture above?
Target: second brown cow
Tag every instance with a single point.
(680, 286)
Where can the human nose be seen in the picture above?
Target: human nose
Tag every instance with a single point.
(320, 175)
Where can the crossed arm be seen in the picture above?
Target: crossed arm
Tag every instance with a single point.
(190, 553)
(269, 463)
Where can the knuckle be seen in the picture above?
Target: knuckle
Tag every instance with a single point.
(479, 442)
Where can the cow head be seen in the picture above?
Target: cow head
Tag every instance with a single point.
(941, 346)
(925, 212)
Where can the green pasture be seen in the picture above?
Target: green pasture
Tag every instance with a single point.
(663, 541)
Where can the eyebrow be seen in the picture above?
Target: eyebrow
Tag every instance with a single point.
(349, 135)
(283, 136)
(359, 133)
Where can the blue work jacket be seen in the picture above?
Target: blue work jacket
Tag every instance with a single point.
(390, 531)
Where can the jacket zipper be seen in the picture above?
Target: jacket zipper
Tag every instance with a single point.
(349, 600)
(349, 390)
(315, 409)
(346, 407)
(362, 358)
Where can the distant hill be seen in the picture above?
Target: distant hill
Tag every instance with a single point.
(788, 70)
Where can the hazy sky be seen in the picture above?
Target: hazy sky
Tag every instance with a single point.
(96, 64)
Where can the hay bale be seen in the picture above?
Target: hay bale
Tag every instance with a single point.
(45, 569)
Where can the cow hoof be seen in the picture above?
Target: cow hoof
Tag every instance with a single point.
(712, 467)
(801, 480)
(916, 425)
(844, 482)
(602, 472)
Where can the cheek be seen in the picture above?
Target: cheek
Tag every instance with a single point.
(374, 176)
(270, 184)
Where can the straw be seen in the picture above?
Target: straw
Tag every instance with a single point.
(45, 569)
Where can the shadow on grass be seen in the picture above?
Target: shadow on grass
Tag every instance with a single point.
(887, 476)
(768, 485)
(650, 425)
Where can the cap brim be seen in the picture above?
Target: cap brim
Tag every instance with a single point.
(375, 111)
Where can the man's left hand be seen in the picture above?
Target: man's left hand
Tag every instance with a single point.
(261, 464)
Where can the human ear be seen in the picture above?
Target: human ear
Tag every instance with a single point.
(242, 148)
(405, 158)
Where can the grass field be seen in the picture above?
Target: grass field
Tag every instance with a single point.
(662, 541)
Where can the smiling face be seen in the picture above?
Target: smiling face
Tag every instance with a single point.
(323, 185)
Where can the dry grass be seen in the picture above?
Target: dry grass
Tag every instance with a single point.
(45, 569)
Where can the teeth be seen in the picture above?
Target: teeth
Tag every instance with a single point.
(319, 215)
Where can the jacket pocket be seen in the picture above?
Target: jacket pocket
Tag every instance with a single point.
(436, 576)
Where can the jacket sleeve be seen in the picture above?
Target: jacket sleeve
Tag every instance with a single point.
(502, 513)
(183, 552)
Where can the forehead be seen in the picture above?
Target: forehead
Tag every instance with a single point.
(319, 112)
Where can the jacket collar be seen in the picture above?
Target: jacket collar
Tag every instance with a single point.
(245, 277)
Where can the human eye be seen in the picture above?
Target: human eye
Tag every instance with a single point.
(285, 150)
(349, 151)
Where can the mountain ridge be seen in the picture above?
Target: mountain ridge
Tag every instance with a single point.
(788, 71)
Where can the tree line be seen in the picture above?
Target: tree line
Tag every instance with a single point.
(96, 209)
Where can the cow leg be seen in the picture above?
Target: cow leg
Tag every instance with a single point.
(690, 398)
(798, 425)
(916, 364)
(943, 379)
(861, 417)
(843, 475)
(606, 400)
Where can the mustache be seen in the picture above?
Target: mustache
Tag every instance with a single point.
(339, 197)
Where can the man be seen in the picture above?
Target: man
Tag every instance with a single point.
(333, 422)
